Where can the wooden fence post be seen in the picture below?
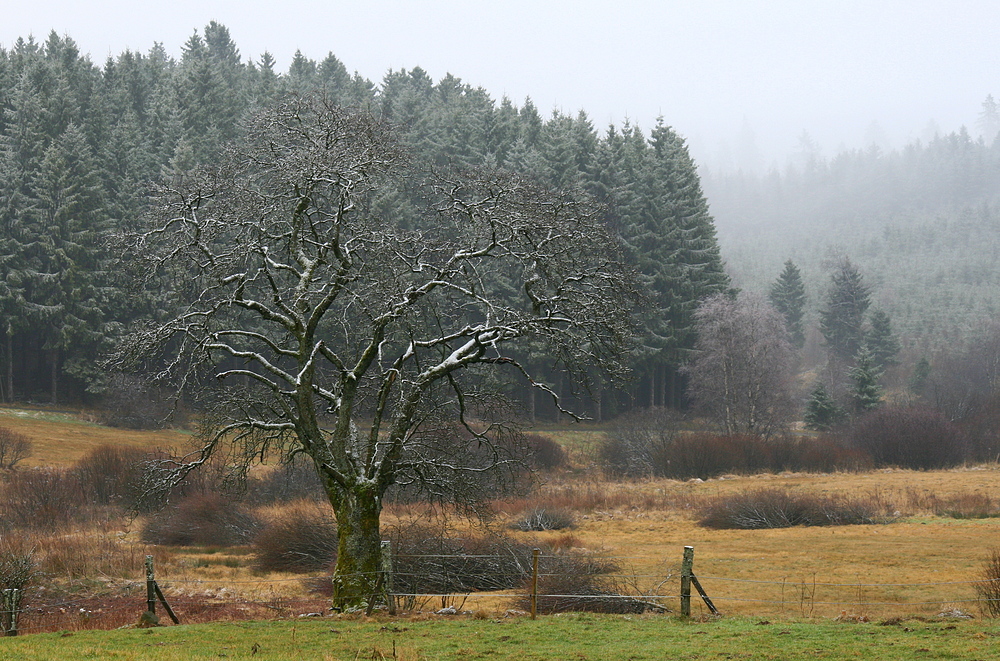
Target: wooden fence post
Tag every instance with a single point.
(150, 586)
(390, 600)
(686, 572)
(534, 583)
(10, 604)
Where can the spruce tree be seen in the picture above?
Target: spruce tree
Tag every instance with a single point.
(841, 321)
(788, 296)
(866, 393)
(881, 341)
(822, 412)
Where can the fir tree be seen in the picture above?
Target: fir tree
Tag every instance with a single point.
(822, 412)
(788, 296)
(881, 341)
(866, 393)
(846, 304)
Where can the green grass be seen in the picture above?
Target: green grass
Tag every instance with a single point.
(606, 638)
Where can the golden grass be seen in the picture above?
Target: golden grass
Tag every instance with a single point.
(61, 439)
(784, 570)
(921, 564)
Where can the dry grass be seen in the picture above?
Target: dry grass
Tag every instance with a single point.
(933, 557)
(61, 439)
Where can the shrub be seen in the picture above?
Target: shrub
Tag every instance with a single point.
(915, 437)
(988, 585)
(17, 563)
(543, 452)
(541, 518)
(301, 537)
(132, 403)
(776, 508)
(14, 448)
(201, 519)
(576, 583)
(635, 438)
(295, 480)
(41, 499)
(113, 475)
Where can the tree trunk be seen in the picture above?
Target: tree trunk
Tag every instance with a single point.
(10, 365)
(359, 553)
(55, 376)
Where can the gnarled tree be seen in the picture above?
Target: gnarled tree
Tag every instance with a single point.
(346, 302)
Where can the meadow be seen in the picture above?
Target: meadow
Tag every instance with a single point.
(904, 586)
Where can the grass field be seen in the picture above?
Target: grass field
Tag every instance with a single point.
(824, 589)
(585, 637)
(61, 438)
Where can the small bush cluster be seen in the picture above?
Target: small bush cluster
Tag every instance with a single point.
(15, 447)
(543, 452)
(132, 403)
(988, 585)
(544, 518)
(301, 537)
(917, 437)
(704, 455)
(777, 508)
(201, 519)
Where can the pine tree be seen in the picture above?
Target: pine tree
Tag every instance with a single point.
(881, 341)
(841, 321)
(866, 393)
(788, 296)
(822, 412)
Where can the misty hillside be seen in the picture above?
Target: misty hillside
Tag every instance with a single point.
(921, 223)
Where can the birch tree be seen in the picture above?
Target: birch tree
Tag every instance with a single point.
(741, 374)
(339, 331)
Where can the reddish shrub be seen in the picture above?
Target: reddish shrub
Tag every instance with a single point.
(203, 519)
(916, 437)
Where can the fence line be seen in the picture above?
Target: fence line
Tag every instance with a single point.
(497, 585)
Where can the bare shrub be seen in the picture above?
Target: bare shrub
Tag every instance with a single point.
(131, 402)
(42, 499)
(635, 438)
(432, 558)
(201, 519)
(988, 585)
(777, 508)
(543, 452)
(17, 563)
(83, 554)
(113, 475)
(571, 583)
(542, 518)
(915, 437)
(295, 480)
(963, 505)
(301, 537)
(14, 448)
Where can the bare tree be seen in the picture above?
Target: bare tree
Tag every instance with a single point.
(741, 374)
(345, 321)
(14, 447)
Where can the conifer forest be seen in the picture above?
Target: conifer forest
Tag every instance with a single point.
(850, 281)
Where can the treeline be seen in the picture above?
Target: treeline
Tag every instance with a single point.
(922, 222)
(79, 142)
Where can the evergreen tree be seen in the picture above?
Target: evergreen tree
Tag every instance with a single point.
(788, 296)
(880, 340)
(866, 393)
(841, 321)
(921, 372)
(822, 412)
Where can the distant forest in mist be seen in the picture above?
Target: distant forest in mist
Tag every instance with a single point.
(79, 141)
(922, 224)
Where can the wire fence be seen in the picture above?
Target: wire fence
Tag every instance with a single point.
(497, 585)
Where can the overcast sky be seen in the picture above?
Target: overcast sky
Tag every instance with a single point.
(845, 71)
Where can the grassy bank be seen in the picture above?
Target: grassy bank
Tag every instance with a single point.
(607, 638)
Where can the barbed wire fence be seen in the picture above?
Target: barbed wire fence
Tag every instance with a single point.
(504, 585)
